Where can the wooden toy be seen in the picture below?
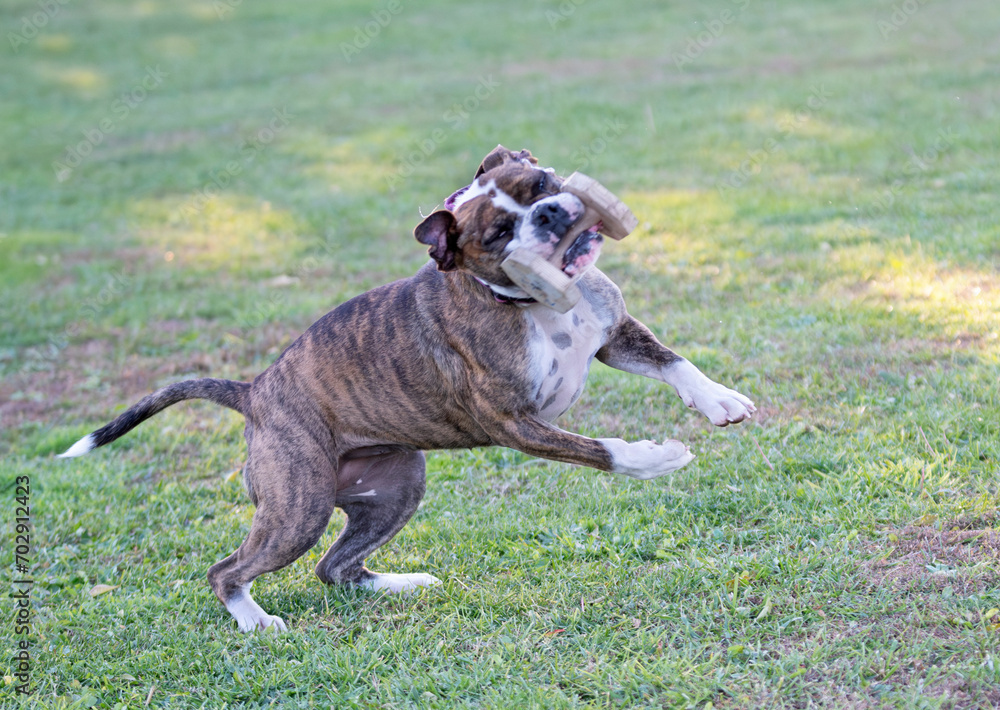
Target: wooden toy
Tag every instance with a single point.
(544, 279)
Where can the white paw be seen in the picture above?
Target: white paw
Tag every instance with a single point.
(250, 617)
(720, 404)
(274, 624)
(399, 583)
(647, 459)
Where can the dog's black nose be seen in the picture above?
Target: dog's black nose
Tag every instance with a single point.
(551, 216)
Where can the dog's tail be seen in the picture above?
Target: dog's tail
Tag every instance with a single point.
(228, 393)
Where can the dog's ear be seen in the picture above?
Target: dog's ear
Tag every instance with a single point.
(500, 155)
(438, 231)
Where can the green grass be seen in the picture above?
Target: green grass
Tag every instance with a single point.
(850, 283)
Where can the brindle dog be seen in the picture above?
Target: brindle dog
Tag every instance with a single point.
(453, 357)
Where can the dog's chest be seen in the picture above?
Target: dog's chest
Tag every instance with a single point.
(562, 346)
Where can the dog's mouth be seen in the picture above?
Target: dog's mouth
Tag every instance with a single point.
(583, 252)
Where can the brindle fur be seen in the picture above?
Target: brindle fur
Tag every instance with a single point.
(429, 362)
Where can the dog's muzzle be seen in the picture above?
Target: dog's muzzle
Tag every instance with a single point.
(547, 223)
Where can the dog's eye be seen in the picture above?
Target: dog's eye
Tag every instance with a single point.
(540, 187)
(497, 235)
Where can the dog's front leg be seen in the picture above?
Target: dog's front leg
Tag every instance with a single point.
(633, 348)
(643, 459)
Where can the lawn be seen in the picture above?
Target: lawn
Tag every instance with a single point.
(186, 186)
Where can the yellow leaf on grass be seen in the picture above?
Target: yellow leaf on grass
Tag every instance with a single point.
(99, 589)
(231, 476)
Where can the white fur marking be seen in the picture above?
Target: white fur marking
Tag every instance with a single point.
(471, 192)
(83, 446)
(249, 616)
(717, 402)
(539, 239)
(586, 335)
(685, 376)
(358, 483)
(396, 583)
(503, 290)
(505, 202)
(366, 493)
(646, 459)
(500, 198)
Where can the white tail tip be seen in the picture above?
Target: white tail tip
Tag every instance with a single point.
(81, 447)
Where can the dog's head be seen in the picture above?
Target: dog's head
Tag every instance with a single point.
(511, 204)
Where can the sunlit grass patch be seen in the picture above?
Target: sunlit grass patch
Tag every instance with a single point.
(86, 81)
(205, 230)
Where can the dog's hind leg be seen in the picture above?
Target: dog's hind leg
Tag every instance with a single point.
(379, 491)
(294, 493)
